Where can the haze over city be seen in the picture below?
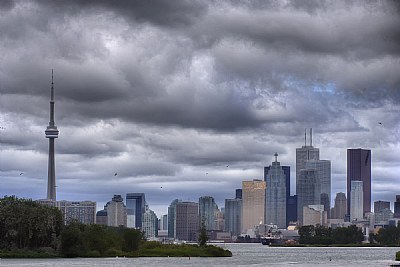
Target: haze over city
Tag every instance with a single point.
(182, 99)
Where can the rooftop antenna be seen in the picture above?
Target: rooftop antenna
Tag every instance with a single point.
(52, 86)
(310, 136)
(305, 137)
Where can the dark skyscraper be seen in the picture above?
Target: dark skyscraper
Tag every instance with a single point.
(397, 207)
(51, 133)
(359, 169)
(291, 209)
(381, 205)
(239, 193)
(339, 210)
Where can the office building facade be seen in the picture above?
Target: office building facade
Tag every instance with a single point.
(116, 211)
(291, 210)
(135, 208)
(253, 205)
(323, 168)
(233, 216)
(340, 209)
(207, 207)
(397, 207)
(275, 195)
(381, 205)
(150, 224)
(359, 169)
(308, 191)
(172, 218)
(356, 201)
(81, 211)
(187, 221)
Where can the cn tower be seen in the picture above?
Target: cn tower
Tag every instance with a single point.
(51, 133)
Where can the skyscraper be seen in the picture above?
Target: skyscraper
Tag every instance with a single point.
(187, 221)
(150, 223)
(172, 218)
(239, 193)
(116, 211)
(207, 208)
(356, 202)
(308, 191)
(51, 133)
(303, 184)
(135, 208)
(275, 195)
(397, 207)
(304, 154)
(253, 205)
(291, 214)
(359, 169)
(323, 168)
(233, 216)
(381, 205)
(340, 208)
(291, 209)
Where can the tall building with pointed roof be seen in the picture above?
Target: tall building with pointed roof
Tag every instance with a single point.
(275, 195)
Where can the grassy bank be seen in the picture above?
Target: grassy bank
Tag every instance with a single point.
(155, 249)
(331, 245)
(28, 254)
(147, 249)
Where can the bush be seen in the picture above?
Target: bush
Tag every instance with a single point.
(398, 256)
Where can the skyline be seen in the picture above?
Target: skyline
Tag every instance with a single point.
(190, 98)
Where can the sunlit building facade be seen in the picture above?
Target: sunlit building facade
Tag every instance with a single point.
(253, 205)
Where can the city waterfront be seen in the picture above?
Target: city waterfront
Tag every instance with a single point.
(243, 255)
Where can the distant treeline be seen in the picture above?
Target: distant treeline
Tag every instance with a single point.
(26, 224)
(30, 229)
(321, 235)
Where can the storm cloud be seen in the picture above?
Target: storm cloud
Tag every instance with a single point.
(169, 93)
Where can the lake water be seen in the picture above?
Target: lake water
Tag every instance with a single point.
(243, 255)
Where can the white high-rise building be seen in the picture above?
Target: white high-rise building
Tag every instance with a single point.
(356, 202)
(150, 223)
(275, 195)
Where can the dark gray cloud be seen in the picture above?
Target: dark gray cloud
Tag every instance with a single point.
(172, 92)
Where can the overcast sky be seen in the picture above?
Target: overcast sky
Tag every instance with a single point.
(188, 98)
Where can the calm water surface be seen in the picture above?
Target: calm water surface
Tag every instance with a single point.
(243, 255)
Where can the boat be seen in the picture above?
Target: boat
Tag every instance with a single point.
(272, 238)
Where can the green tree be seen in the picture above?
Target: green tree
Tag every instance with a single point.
(131, 239)
(307, 234)
(72, 241)
(28, 224)
(347, 235)
(323, 235)
(389, 236)
(203, 237)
